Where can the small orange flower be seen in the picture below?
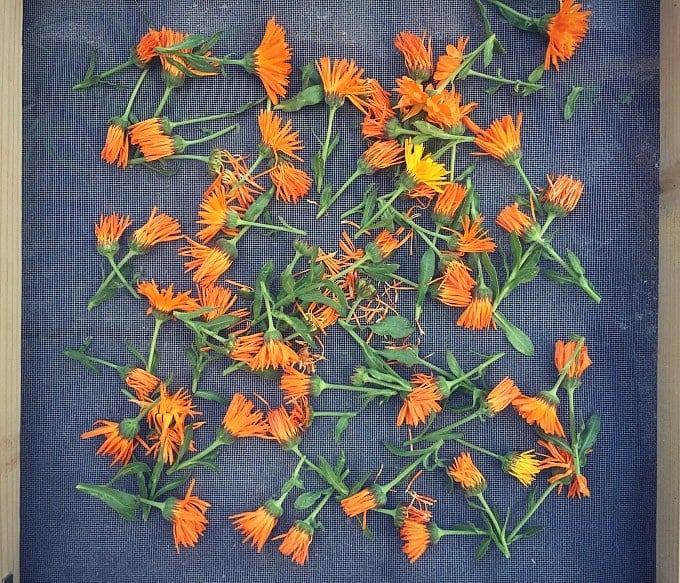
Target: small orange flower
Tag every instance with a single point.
(343, 80)
(116, 149)
(246, 347)
(464, 472)
(295, 385)
(412, 97)
(415, 533)
(514, 220)
(380, 155)
(566, 30)
(473, 239)
(258, 524)
(562, 464)
(143, 383)
(319, 316)
(171, 73)
(119, 440)
(108, 232)
(290, 183)
(159, 228)
(450, 61)
(445, 110)
(145, 51)
(564, 351)
(243, 420)
(153, 139)
(388, 242)
(479, 313)
(209, 262)
(163, 303)
(524, 466)
(274, 353)
(188, 518)
(379, 113)
(541, 410)
(455, 288)
(296, 542)
(221, 299)
(562, 195)
(448, 202)
(286, 427)
(417, 54)
(502, 140)
(502, 395)
(271, 61)
(278, 139)
(423, 399)
(363, 501)
(214, 214)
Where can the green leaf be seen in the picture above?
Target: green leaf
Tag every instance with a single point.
(428, 261)
(123, 503)
(588, 435)
(527, 532)
(488, 32)
(335, 289)
(130, 469)
(299, 326)
(319, 298)
(211, 396)
(370, 199)
(340, 426)
(80, 355)
(318, 166)
(310, 76)
(482, 548)
(309, 96)
(393, 326)
(536, 74)
(519, 20)
(491, 271)
(469, 61)
(519, 340)
(283, 222)
(406, 356)
(575, 263)
(293, 482)
(570, 103)
(332, 478)
(171, 485)
(307, 499)
(555, 439)
(380, 271)
(403, 452)
(264, 276)
(467, 172)
(558, 277)
(516, 248)
(453, 365)
(258, 207)
(525, 275)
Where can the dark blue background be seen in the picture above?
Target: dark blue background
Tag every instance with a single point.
(611, 143)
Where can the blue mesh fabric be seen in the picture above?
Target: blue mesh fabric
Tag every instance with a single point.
(611, 143)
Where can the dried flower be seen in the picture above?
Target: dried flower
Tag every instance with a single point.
(274, 353)
(286, 427)
(566, 30)
(464, 472)
(445, 109)
(187, 516)
(257, 525)
(542, 410)
(295, 385)
(214, 214)
(562, 464)
(388, 242)
(412, 97)
(380, 155)
(246, 347)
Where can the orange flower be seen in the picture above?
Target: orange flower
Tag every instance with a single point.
(472, 239)
(221, 300)
(258, 524)
(145, 50)
(214, 214)
(188, 518)
(274, 353)
(502, 395)
(412, 97)
(542, 410)
(564, 351)
(162, 303)
(562, 464)
(116, 148)
(502, 140)
(143, 383)
(522, 465)
(380, 155)
(171, 73)
(342, 80)
(562, 195)
(448, 202)
(479, 313)
(388, 242)
(159, 228)
(271, 61)
(296, 542)
(566, 30)
(464, 472)
(415, 533)
(417, 54)
(276, 139)
(119, 440)
(422, 400)
(319, 316)
(246, 347)
(455, 288)
(450, 61)
(291, 183)
(379, 112)
(286, 427)
(295, 385)
(209, 262)
(108, 232)
(445, 109)
(243, 420)
(515, 221)
(363, 501)
(153, 139)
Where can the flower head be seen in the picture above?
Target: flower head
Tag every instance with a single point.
(209, 262)
(271, 61)
(502, 395)
(287, 427)
(478, 315)
(445, 109)
(515, 221)
(450, 61)
(214, 214)
(417, 53)
(296, 385)
(246, 347)
(162, 303)
(290, 183)
(447, 203)
(243, 420)
(278, 139)
(343, 80)
(422, 169)
(541, 410)
(412, 97)
(456, 285)
(159, 228)
(119, 440)
(566, 30)
(296, 541)
(258, 524)
(116, 149)
(143, 383)
(379, 113)
(381, 154)
(388, 242)
(564, 351)
(187, 516)
(108, 232)
(363, 501)
(274, 353)
(562, 195)
(423, 399)
(502, 139)
(472, 238)
(221, 300)
(153, 139)
(562, 464)
(464, 472)
(524, 466)
(415, 533)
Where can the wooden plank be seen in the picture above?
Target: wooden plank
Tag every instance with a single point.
(668, 437)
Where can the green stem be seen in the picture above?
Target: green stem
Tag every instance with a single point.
(503, 80)
(333, 414)
(500, 532)
(163, 101)
(421, 233)
(198, 457)
(267, 305)
(217, 116)
(351, 268)
(204, 159)
(537, 504)
(114, 70)
(572, 428)
(580, 280)
(518, 165)
(281, 228)
(452, 170)
(357, 173)
(368, 390)
(326, 147)
(321, 504)
(383, 206)
(353, 308)
(401, 278)
(478, 369)
(436, 435)
(212, 136)
(107, 280)
(158, 322)
(408, 469)
(135, 91)
(122, 279)
(453, 532)
(470, 445)
(305, 460)
(159, 505)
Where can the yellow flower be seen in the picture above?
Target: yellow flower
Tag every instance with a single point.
(422, 169)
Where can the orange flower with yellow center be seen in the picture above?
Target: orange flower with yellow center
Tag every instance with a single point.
(152, 138)
(423, 400)
(478, 315)
(290, 183)
(271, 61)
(162, 303)
(258, 524)
(278, 139)
(541, 410)
(564, 351)
(501, 396)
(143, 383)
(209, 262)
(243, 420)
(562, 195)
(120, 440)
(108, 232)
(472, 238)
(524, 466)
(514, 220)
(159, 228)
(296, 542)
(464, 472)
(116, 148)
(343, 80)
(502, 140)
(450, 61)
(187, 516)
(412, 97)
(417, 53)
(566, 31)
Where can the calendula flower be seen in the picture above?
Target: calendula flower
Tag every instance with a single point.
(562, 195)
(447, 203)
(541, 410)
(221, 300)
(290, 183)
(422, 169)
(415, 533)
(379, 112)
(243, 420)
(502, 140)
(246, 347)
(564, 351)
(120, 439)
(258, 524)
(162, 303)
(343, 80)
(142, 382)
(464, 472)
(172, 74)
(270, 61)
(472, 238)
(456, 285)
(145, 51)
(214, 214)
(417, 53)
(380, 155)
(187, 516)
(423, 400)
(296, 542)
(153, 139)
(515, 221)
(295, 385)
(159, 228)
(116, 149)
(108, 232)
(278, 139)
(562, 464)
(320, 316)
(388, 242)
(274, 353)
(209, 262)
(524, 466)
(502, 395)
(446, 110)
(363, 501)
(566, 30)
(412, 97)
(478, 315)
(450, 61)
(287, 427)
